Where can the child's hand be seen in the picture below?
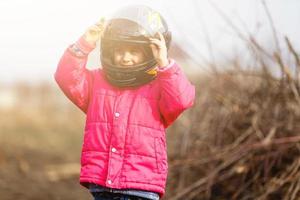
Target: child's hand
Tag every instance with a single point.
(159, 50)
(94, 32)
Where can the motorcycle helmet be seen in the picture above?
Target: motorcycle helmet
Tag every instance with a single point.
(132, 25)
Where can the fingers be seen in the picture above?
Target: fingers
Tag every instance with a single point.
(101, 23)
(98, 27)
(158, 36)
(159, 40)
(157, 43)
(159, 49)
(94, 29)
(161, 37)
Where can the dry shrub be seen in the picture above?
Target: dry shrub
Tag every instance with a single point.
(241, 139)
(243, 143)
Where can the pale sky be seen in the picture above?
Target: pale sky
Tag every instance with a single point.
(34, 33)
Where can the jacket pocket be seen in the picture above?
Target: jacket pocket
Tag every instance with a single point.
(161, 155)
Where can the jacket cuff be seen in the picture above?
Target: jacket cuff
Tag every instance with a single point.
(168, 70)
(171, 64)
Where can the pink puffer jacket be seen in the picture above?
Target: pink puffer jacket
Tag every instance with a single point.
(124, 140)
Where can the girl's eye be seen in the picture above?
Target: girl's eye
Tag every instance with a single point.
(118, 50)
(135, 52)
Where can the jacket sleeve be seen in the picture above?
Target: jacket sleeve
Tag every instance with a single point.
(177, 93)
(72, 76)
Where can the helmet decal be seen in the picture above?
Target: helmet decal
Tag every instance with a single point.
(154, 20)
(152, 71)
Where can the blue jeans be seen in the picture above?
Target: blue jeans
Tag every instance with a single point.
(114, 196)
(104, 193)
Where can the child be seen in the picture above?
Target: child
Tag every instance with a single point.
(128, 103)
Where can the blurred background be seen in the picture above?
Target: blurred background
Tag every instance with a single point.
(240, 140)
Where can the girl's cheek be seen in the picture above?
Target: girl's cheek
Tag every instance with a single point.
(116, 59)
(139, 57)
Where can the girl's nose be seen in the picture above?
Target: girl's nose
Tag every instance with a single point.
(127, 56)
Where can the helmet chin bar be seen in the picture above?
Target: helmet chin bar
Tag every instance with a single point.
(129, 82)
(128, 77)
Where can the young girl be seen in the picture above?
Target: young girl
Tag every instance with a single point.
(128, 103)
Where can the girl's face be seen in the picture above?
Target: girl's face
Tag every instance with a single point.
(128, 55)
